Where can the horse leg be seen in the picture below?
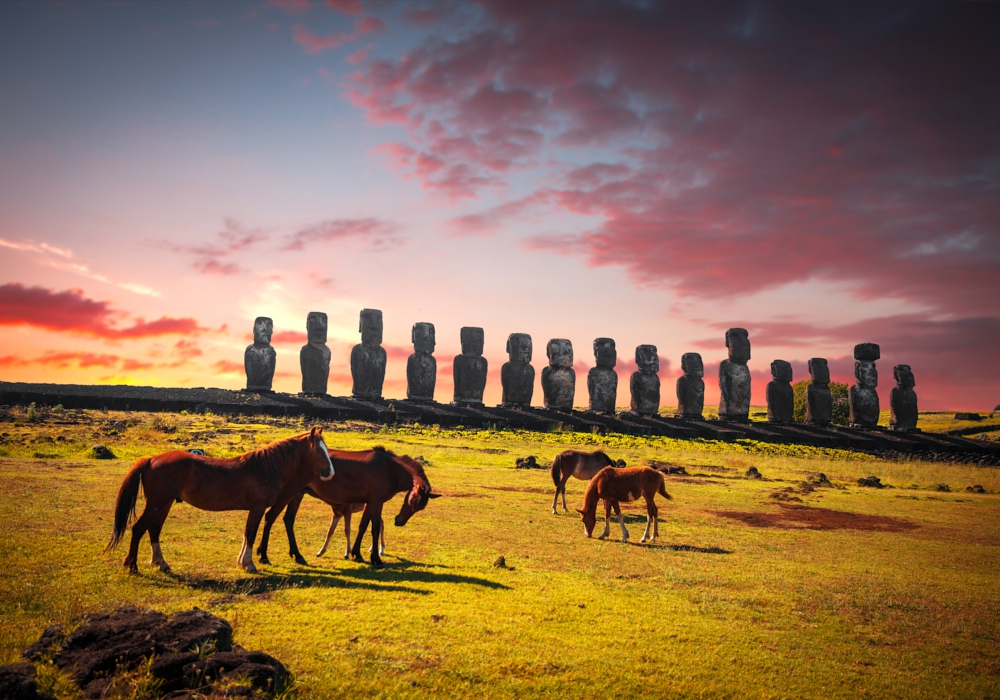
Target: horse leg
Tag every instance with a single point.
(651, 513)
(265, 536)
(362, 529)
(555, 499)
(293, 546)
(334, 519)
(138, 530)
(621, 520)
(249, 535)
(381, 549)
(155, 525)
(376, 519)
(607, 524)
(347, 534)
(562, 490)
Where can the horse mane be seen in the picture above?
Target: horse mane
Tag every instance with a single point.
(267, 460)
(415, 468)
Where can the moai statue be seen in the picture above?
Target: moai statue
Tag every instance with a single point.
(644, 384)
(518, 376)
(819, 400)
(314, 357)
(780, 395)
(734, 377)
(368, 358)
(559, 379)
(421, 367)
(691, 387)
(863, 397)
(470, 369)
(602, 380)
(903, 401)
(259, 358)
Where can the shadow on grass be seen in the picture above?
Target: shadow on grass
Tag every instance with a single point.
(269, 583)
(691, 548)
(405, 571)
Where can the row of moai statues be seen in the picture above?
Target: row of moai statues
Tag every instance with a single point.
(517, 376)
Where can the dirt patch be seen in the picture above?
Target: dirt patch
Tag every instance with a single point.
(462, 495)
(518, 489)
(792, 517)
(674, 480)
(486, 450)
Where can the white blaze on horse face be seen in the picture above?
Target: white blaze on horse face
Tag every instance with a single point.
(326, 453)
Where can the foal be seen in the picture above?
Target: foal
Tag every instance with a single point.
(345, 512)
(616, 485)
(582, 465)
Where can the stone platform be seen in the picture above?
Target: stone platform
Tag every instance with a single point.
(332, 408)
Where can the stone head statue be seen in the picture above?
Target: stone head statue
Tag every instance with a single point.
(691, 364)
(867, 352)
(647, 358)
(903, 375)
(866, 374)
(262, 329)
(605, 353)
(819, 370)
(738, 344)
(472, 340)
(519, 347)
(781, 371)
(316, 327)
(422, 336)
(560, 352)
(371, 327)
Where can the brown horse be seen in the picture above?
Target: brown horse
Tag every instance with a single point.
(268, 476)
(371, 477)
(617, 485)
(345, 513)
(582, 465)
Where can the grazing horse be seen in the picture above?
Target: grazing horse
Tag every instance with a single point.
(371, 477)
(253, 481)
(582, 465)
(616, 485)
(345, 513)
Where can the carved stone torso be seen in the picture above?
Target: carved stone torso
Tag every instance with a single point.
(602, 385)
(259, 362)
(470, 378)
(780, 402)
(690, 396)
(819, 404)
(518, 381)
(734, 384)
(645, 390)
(314, 360)
(421, 376)
(559, 387)
(367, 370)
(903, 408)
(864, 406)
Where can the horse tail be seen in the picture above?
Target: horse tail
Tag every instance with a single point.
(663, 488)
(128, 494)
(557, 470)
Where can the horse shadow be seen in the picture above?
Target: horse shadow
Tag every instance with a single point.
(267, 583)
(406, 570)
(684, 548)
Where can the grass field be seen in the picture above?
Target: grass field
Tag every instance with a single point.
(755, 589)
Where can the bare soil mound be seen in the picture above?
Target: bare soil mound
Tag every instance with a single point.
(793, 516)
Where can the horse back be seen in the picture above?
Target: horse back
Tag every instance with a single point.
(358, 477)
(627, 483)
(584, 465)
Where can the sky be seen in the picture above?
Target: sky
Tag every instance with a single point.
(821, 174)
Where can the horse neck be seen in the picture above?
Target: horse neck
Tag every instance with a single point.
(273, 460)
(590, 497)
(407, 477)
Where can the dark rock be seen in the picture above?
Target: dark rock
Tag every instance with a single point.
(517, 377)
(500, 563)
(17, 682)
(259, 358)
(262, 670)
(470, 368)
(602, 380)
(101, 452)
(863, 397)
(314, 357)
(51, 639)
(559, 379)
(368, 358)
(644, 385)
(691, 387)
(175, 671)
(968, 416)
(820, 479)
(903, 401)
(871, 481)
(943, 487)
(529, 462)
(819, 400)
(780, 395)
(752, 473)
(978, 488)
(734, 377)
(421, 367)
(668, 468)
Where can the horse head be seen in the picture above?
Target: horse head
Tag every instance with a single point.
(589, 520)
(319, 454)
(619, 463)
(416, 499)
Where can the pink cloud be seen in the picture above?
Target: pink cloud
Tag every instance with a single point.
(376, 232)
(289, 338)
(348, 7)
(313, 43)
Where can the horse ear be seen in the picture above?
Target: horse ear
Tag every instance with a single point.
(581, 512)
(312, 431)
(434, 495)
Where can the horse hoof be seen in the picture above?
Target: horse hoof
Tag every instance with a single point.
(263, 560)
(378, 565)
(162, 566)
(320, 553)
(301, 561)
(347, 556)
(250, 568)
(601, 537)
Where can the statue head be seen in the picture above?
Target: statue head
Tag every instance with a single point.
(866, 352)
(781, 371)
(605, 353)
(819, 370)
(316, 327)
(692, 365)
(262, 329)
(866, 374)
(472, 340)
(738, 344)
(519, 347)
(422, 336)
(647, 358)
(371, 327)
(903, 375)
(560, 352)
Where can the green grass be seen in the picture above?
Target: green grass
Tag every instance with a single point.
(716, 608)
